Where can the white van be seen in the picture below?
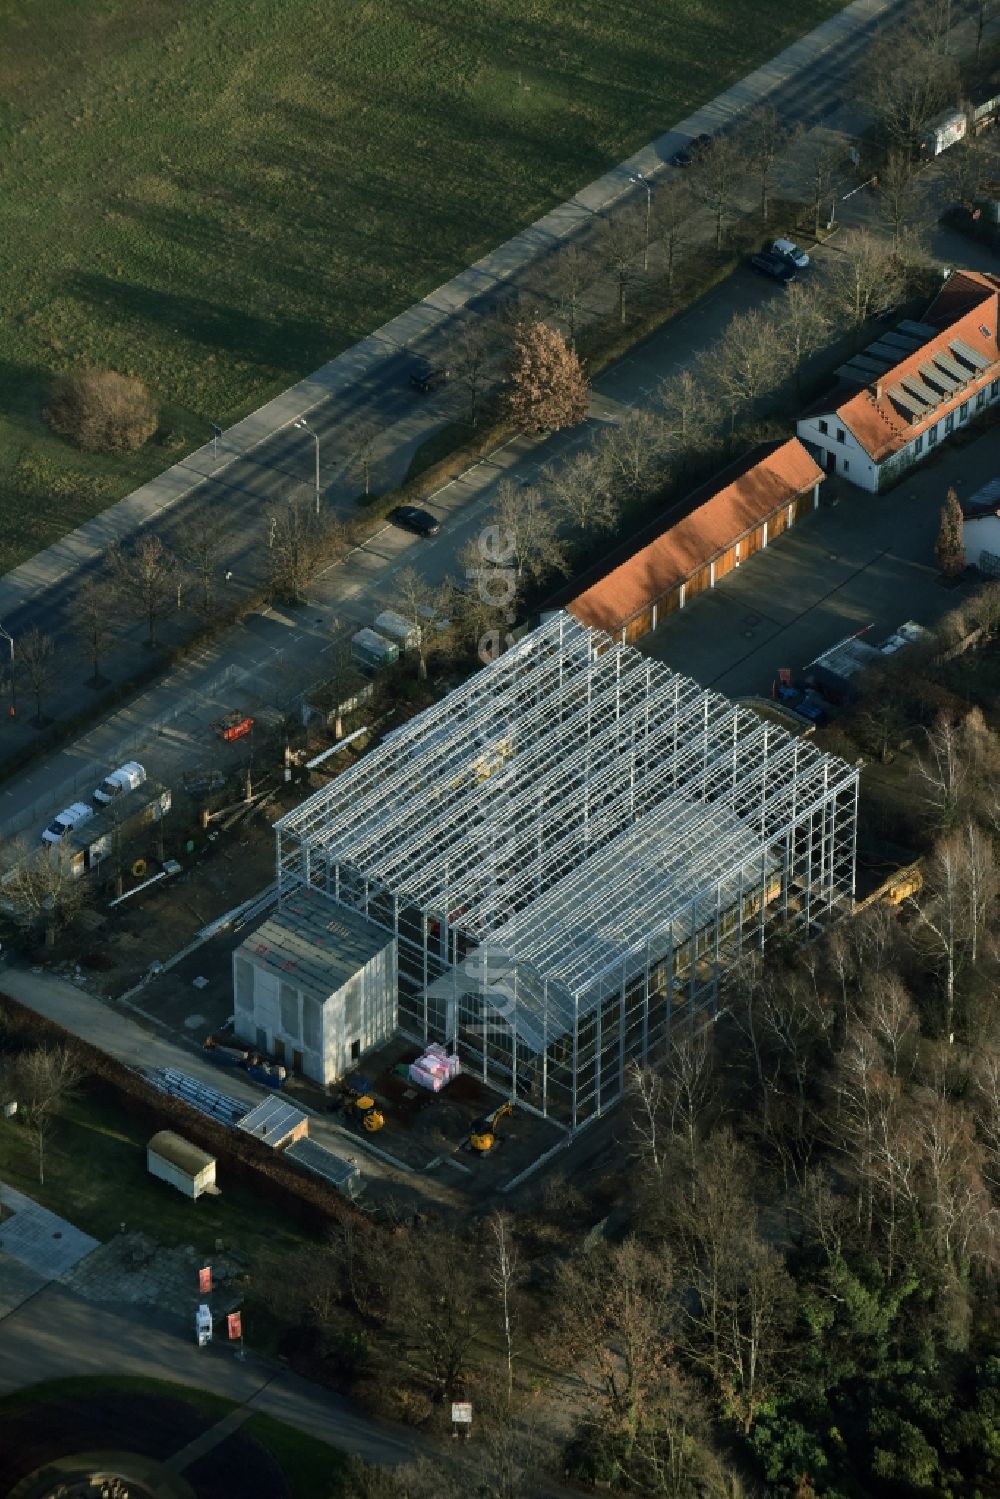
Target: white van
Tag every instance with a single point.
(71, 818)
(126, 778)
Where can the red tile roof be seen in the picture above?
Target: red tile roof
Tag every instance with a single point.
(678, 553)
(966, 311)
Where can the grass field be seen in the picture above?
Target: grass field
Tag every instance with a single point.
(95, 1175)
(220, 196)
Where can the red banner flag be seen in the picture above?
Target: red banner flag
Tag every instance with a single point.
(234, 1322)
(205, 1280)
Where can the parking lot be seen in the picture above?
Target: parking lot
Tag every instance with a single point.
(861, 562)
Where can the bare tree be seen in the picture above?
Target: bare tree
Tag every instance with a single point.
(960, 886)
(945, 769)
(898, 193)
(472, 363)
(687, 411)
(301, 544)
(202, 546)
(762, 137)
(579, 489)
(867, 276)
(363, 437)
(523, 517)
(504, 1276)
(803, 323)
(616, 1307)
(572, 273)
(36, 655)
(547, 389)
(716, 177)
(985, 10)
(421, 604)
(672, 211)
(621, 243)
(909, 78)
(41, 892)
(145, 580)
(746, 363)
(824, 164)
(90, 611)
(438, 1307)
(646, 1118)
(42, 1081)
(632, 451)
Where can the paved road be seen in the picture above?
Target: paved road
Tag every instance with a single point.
(264, 460)
(270, 657)
(56, 1335)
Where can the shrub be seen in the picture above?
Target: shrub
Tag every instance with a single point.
(102, 411)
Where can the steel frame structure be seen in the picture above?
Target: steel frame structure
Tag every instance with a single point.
(571, 848)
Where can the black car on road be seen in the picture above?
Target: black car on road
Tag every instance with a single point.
(426, 377)
(690, 153)
(778, 267)
(412, 518)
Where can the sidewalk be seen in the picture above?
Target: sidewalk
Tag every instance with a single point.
(428, 316)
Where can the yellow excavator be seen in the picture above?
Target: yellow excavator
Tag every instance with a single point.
(360, 1104)
(484, 1133)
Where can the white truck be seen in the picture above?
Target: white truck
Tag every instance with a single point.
(127, 777)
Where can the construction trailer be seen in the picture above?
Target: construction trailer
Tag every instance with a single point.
(115, 827)
(570, 850)
(185, 1166)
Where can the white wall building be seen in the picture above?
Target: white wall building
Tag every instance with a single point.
(919, 383)
(315, 987)
(981, 530)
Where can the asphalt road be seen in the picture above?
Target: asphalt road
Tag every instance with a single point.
(250, 489)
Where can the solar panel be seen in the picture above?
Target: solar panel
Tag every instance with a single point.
(915, 394)
(925, 393)
(873, 366)
(901, 341)
(883, 350)
(905, 402)
(971, 356)
(946, 381)
(923, 331)
(960, 371)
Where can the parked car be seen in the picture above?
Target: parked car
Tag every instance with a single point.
(412, 518)
(689, 154)
(791, 252)
(59, 826)
(426, 377)
(775, 266)
(126, 778)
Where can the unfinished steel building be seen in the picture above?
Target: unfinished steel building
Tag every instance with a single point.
(571, 848)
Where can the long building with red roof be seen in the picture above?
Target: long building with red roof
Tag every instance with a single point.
(911, 388)
(724, 523)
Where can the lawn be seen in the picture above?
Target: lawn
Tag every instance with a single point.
(220, 196)
(157, 1417)
(95, 1175)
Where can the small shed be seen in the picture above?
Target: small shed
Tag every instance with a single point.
(275, 1121)
(185, 1166)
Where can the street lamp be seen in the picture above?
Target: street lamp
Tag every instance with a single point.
(216, 434)
(12, 710)
(640, 181)
(305, 427)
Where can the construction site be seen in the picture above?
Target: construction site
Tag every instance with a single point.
(569, 851)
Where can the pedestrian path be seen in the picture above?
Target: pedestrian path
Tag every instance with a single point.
(208, 1440)
(433, 313)
(36, 1246)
